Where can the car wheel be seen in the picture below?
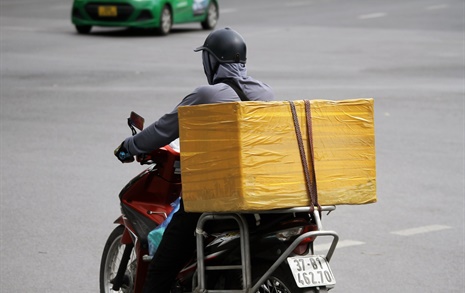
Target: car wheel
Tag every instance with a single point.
(212, 17)
(166, 21)
(83, 29)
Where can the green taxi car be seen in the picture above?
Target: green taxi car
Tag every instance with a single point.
(157, 14)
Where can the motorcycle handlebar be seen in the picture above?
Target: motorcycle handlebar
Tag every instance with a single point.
(145, 159)
(157, 156)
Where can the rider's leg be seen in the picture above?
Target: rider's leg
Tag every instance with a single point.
(176, 248)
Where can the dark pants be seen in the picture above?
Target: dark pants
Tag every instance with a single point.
(175, 250)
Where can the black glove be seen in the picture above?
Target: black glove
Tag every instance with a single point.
(123, 154)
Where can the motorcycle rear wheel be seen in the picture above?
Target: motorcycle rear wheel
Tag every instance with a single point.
(281, 281)
(111, 259)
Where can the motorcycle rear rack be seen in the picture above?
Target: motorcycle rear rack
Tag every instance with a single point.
(245, 265)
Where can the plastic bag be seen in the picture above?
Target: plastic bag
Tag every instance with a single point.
(155, 236)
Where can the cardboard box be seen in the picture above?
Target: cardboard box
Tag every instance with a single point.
(244, 156)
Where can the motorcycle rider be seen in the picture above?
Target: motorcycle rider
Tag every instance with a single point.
(224, 57)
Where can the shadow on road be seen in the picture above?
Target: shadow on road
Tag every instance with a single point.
(135, 32)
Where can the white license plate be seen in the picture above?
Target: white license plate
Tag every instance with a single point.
(311, 271)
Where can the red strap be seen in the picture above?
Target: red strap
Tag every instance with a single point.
(310, 178)
(314, 193)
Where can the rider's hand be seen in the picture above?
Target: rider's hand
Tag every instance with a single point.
(123, 154)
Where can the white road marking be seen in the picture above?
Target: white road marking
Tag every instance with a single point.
(372, 15)
(20, 28)
(296, 4)
(421, 230)
(439, 6)
(18, 3)
(228, 10)
(340, 244)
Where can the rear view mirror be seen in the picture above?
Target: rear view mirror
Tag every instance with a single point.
(136, 121)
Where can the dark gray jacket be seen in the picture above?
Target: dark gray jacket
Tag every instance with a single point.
(166, 129)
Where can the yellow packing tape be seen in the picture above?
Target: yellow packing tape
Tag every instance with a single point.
(244, 156)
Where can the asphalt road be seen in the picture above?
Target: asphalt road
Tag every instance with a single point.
(65, 98)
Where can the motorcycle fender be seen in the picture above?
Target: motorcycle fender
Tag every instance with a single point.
(119, 220)
(126, 238)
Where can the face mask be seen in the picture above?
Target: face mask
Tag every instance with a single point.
(210, 66)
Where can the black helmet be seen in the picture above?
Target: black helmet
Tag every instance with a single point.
(226, 45)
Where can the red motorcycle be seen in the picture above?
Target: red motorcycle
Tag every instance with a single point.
(236, 252)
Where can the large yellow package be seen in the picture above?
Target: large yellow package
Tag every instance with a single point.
(244, 156)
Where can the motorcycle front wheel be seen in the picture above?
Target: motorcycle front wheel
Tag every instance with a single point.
(111, 259)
